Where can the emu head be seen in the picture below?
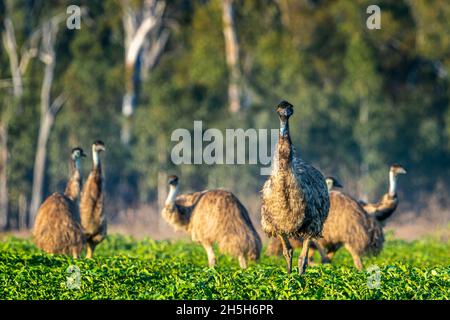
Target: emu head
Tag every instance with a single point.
(285, 110)
(332, 182)
(98, 146)
(77, 153)
(173, 181)
(397, 169)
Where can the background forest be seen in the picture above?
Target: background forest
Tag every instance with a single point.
(137, 70)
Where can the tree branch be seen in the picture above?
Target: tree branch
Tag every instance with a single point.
(9, 42)
(29, 50)
(148, 24)
(154, 52)
(57, 104)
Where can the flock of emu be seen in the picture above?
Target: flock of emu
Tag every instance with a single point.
(300, 208)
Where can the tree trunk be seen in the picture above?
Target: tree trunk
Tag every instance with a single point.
(39, 164)
(363, 166)
(162, 188)
(3, 176)
(137, 26)
(285, 14)
(232, 57)
(162, 177)
(48, 111)
(22, 212)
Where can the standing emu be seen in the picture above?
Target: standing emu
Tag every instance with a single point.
(295, 199)
(93, 218)
(384, 208)
(214, 216)
(57, 227)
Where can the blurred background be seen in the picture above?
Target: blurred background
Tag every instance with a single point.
(136, 70)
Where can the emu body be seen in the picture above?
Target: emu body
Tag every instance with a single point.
(57, 227)
(215, 216)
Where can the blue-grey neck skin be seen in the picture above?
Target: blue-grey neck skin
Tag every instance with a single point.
(284, 128)
(78, 165)
(392, 184)
(173, 192)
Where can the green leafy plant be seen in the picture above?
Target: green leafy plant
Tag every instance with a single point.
(125, 268)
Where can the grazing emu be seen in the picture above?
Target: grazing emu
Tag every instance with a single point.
(214, 216)
(384, 208)
(347, 225)
(57, 227)
(93, 218)
(295, 199)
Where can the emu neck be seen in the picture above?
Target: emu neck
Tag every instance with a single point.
(284, 128)
(73, 187)
(96, 160)
(284, 145)
(173, 192)
(392, 184)
(329, 185)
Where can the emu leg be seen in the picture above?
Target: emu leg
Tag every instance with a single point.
(356, 257)
(287, 251)
(92, 244)
(210, 252)
(323, 255)
(90, 247)
(311, 256)
(303, 258)
(242, 262)
(330, 255)
(75, 252)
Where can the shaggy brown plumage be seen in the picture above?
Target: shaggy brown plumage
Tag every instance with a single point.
(57, 227)
(347, 225)
(386, 206)
(350, 226)
(295, 199)
(213, 216)
(93, 218)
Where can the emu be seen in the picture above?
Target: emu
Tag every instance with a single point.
(295, 199)
(57, 227)
(386, 206)
(92, 214)
(213, 216)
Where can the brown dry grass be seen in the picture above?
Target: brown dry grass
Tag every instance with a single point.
(407, 223)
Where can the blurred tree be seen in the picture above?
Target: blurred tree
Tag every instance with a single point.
(49, 108)
(144, 40)
(18, 63)
(363, 98)
(235, 82)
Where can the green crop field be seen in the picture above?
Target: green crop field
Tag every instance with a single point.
(125, 268)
